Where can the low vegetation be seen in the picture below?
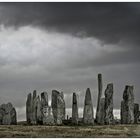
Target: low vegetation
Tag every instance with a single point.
(25, 131)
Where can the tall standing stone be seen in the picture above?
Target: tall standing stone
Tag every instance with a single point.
(58, 107)
(88, 109)
(29, 108)
(34, 108)
(39, 113)
(100, 103)
(136, 113)
(109, 118)
(127, 106)
(102, 112)
(44, 105)
(8, 114)
(74, 109)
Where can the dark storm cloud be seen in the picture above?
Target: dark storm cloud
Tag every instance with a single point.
(111, 22)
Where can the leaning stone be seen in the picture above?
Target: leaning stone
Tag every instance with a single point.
(88, 109)
(74, 109)
(127, 106)
(109, 118)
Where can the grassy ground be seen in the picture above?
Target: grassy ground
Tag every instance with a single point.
(23, 131)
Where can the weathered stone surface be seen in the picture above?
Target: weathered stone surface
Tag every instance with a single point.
(109, 118)
(44, 105)
(136, 113)
(127, 106)
(44, 99)
(7, 114)
(74, 109)
(39, 113)
(34, 108)
(88, 109)
(100, 95)
(48, 119)
(29, 108)
(58, 107)
(101, 118)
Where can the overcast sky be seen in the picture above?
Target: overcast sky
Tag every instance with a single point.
(64, 46)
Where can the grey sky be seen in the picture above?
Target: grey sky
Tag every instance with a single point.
(64, 46)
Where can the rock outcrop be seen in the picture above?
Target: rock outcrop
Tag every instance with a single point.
(127, 106)
(8, 114)
(58, 107)
(88, 109)
(74, 109)
(109, 118)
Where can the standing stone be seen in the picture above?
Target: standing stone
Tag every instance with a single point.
(34, 108)
(88, 109)
(136, 113)
(74, 109)
(127, 106)
(44, 105)
(102, 111)
(48, 119)
(39, 113)
(44, 99)
(58, 107)
(8, 114)
(29, 108)
(98, 110)
(109, 118)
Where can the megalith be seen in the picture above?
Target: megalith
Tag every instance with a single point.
(8, 114)
(29, 108)
(74, 109)
(44, 104)
(48, 118)
(58, 107)
(109, 118)
(34, 108)
(127, 106)
(88, 116)
(98, 110)
(38, 112)
(136, 113)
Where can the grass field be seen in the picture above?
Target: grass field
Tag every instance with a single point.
(22, 131)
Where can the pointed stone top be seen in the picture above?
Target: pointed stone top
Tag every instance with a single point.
(44, 94)
(74, 98)
(88, 97)
(34, 94)
(128, 92)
